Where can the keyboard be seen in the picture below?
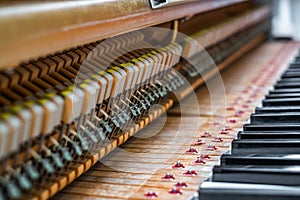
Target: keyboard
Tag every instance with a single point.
(264, 163)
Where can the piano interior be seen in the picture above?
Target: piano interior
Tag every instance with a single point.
(158, 99)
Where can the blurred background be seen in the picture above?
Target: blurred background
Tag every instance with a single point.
(286, 23)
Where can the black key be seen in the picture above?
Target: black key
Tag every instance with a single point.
(292, 70)
(282, 102)
(294, 65)
(242, 191)
(258, 174)
(277, 109)
(289, 80)
(258, 159)
(291, 75)
(268, 135)
(272, 127)
(284, 95)
(280, 118)
(287, 85)
(281, 91)
(265, 146)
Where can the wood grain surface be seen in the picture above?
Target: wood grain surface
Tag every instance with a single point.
(31, 29)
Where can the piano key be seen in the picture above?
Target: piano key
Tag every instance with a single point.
(292, 70)
(287, 85)
(279, 118)
(261, 159)
(286, 90)
(258, 174)
(268, 135)
(290, 75)
(277, 109)
(238, 191)
(264, 146)
(294, 65)
(284, 95)
(281, 102)
(289, 80)
(271, 127)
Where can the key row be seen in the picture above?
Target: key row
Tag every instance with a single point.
(265, 158)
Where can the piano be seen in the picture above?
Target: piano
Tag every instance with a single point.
(147, 99)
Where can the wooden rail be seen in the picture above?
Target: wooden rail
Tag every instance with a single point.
(30, 30)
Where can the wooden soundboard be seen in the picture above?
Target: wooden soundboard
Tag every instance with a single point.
(140, 165)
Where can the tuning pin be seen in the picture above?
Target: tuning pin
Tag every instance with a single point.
(238, 114)
(190, 172)
(232, 120)
(211, 148)
(218, 139)
(224, 131)
(245, 91)
(199, 142)
(192, 150)
(253, 95)
(178, 165)
(169, 176)
(151, 194)
(230, 108)
(227, 127)
(181, 184)
(216, 123)
(175, 190)
(249, 101)
(200, 161)
(236, 102)
(204, 156)
(206, 134)
(241, 111)
(245, 106)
